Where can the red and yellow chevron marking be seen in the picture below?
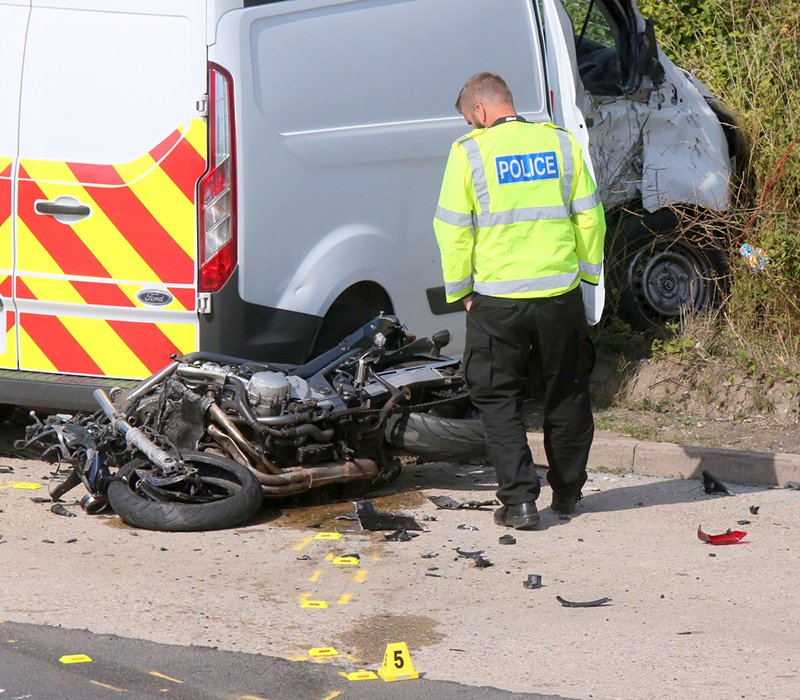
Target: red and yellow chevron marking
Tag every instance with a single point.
(71, 344)
(8, 335)
(140, 235)
(142, 225)
(6, 244)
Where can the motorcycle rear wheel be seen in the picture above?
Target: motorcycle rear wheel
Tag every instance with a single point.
(435, 438)
(239, 497)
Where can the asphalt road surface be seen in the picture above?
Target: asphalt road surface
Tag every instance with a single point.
(48, 663)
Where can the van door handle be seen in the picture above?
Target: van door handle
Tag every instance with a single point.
(56, 209)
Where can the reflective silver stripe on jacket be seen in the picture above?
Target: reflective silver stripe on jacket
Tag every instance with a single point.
(590, 201)
(478, 173)
(460, 286)
(517, 216)
(535, 284)
(590, 268)
(569, 166)
(453, 218)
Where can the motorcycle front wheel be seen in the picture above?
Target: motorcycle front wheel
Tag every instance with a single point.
(435, 438)
(223, 494)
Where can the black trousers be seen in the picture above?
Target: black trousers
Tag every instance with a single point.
(506, 340)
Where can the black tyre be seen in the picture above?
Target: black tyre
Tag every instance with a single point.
(233, 496)
(659, 274)
(435, 438)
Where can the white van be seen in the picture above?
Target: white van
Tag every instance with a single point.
(257, 178)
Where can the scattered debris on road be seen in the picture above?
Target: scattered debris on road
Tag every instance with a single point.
(480, 561)
(754, 510)
(582, 604)
(58, 509)
(400, 535)
(533, 582)
(507, 539)
(372, 519)
(729, 537)
(447, 503)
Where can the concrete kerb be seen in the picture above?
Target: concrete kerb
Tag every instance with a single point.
(676, 461)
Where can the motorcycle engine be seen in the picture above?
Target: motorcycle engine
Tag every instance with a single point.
(268, 392)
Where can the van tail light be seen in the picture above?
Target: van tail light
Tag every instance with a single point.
(217, 194)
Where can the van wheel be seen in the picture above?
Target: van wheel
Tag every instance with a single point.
(354, 307)
(659, 274)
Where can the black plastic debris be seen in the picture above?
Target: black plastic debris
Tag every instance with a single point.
(6, 469)
(792, 485)
(400, 535)
(754, 510)
(713, 485)
(582, 604)
(444, 502)
(464, 526)
(447, 503)
(507, 539)
(372, 519)
(480, 561)
(743, 522)
(532, 582)
(303, 557)
(58, 509)
(433, 575)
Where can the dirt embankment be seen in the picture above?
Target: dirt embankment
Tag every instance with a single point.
(697, 403)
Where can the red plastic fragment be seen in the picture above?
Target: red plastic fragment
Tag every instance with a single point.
(729, 537)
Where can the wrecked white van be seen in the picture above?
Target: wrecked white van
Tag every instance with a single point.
(667, 156)
(257, 178)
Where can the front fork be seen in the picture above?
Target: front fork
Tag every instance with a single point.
(167, 463)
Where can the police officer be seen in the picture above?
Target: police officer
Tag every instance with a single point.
(520, 227)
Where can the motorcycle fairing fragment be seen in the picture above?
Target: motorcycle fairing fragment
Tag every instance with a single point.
(370, 518)
(729, 537)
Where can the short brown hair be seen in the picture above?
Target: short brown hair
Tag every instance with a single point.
(484, 87)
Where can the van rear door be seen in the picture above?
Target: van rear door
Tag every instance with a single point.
(112, 142)
(13, 21)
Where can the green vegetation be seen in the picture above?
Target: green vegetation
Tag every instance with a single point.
(748, 53)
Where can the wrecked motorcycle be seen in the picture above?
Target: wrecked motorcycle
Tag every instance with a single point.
(197, 445)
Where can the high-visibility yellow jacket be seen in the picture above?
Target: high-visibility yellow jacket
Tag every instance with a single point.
(518, 213)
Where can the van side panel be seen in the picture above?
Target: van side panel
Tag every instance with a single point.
(111, 127)
(13, 25)
(345, 120)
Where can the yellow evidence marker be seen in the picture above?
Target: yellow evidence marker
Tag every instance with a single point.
(314, 604)
(328, 536)
(397, 664)
(323, 651)
(346, 561)
(75, 659)
(362, 675)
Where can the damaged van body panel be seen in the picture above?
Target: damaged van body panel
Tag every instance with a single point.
(653, 136)
(667, 157)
